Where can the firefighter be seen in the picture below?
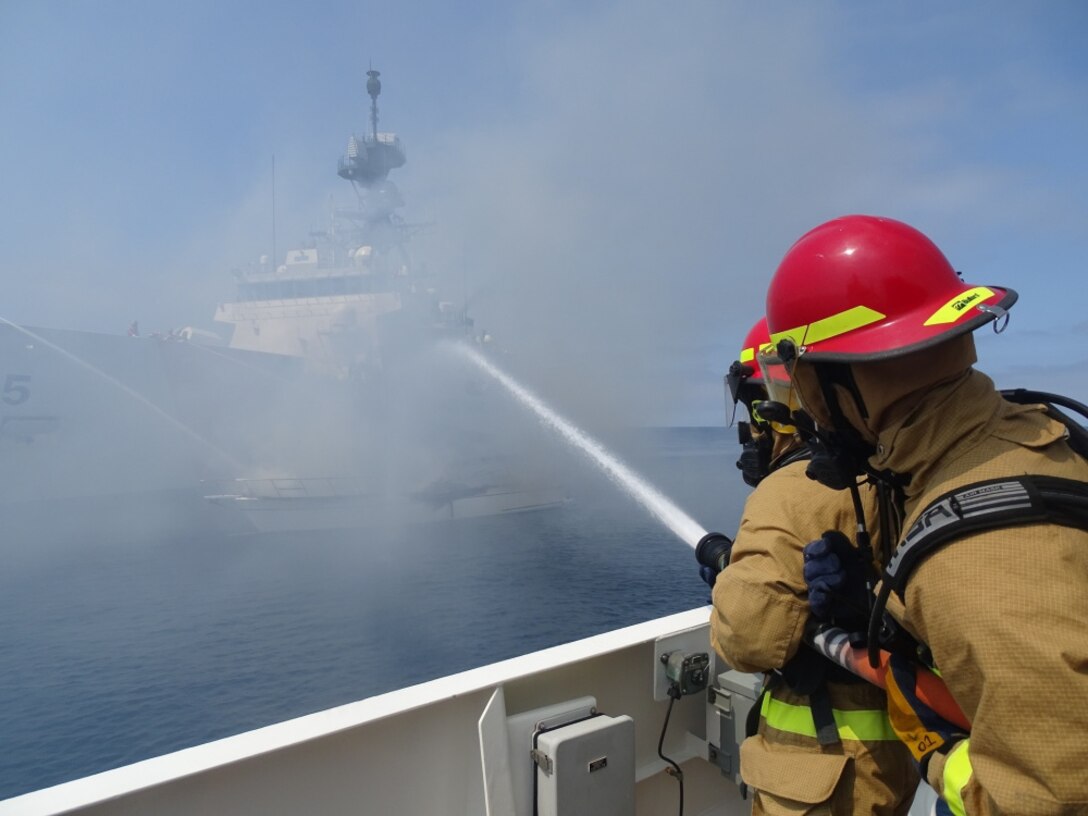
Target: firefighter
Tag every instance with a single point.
(823, 743)
(875, 327)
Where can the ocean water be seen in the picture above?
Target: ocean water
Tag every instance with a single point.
(112, 652)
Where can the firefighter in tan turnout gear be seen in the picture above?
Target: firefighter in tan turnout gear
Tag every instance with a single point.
(824, 744)
(990, 576)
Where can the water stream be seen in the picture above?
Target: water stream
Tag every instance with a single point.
(140, 398)
(679, 522)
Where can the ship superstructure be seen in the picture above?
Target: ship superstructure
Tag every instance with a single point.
(329, 380)
(393, 428)
(351, 298)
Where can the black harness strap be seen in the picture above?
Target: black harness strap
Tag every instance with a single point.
(1007, 502)
(823, 717)
(798, 454)
(983, 506)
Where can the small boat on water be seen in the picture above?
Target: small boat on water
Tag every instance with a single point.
(274, 505)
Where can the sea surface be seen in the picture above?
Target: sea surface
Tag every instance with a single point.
(116, 651)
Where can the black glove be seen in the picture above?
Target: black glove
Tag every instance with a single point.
(709, 574)
(712, 552)
(836, 576)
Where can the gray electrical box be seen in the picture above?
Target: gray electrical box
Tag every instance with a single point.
(587, 768)
(731, 699)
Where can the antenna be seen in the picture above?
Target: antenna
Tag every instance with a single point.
(273, 212)
(374, 88)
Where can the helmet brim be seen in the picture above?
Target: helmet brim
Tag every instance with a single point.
(949, 315)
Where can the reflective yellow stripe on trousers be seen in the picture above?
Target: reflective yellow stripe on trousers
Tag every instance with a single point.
(867, 725)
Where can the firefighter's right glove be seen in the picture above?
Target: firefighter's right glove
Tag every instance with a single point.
(835, 574)
(919, 727)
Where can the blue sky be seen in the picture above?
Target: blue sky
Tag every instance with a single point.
(612, 183)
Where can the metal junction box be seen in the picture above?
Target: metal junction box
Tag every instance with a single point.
(731, 700)
(587, 768)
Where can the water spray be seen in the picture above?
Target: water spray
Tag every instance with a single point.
(140, 398)
(686, 528)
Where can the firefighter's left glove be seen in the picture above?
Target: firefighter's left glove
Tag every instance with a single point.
(712, 552)
(922, 730)
(836, 577)
(709, 574)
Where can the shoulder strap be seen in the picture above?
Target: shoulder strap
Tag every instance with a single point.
(798, 454)
(986, 505)
(981, 506)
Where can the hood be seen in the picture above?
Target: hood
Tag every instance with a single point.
(950, 421)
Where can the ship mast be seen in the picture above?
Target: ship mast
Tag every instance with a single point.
(368, 160)
(374, 88)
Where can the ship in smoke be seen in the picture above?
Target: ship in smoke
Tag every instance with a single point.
(328, 406)
(351, 299)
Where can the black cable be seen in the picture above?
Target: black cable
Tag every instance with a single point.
(674, 694)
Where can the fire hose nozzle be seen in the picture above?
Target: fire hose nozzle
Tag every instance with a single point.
(713, 551)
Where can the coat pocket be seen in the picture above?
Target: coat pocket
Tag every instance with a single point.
(790, 781)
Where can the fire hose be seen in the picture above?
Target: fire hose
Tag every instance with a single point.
(834, 643)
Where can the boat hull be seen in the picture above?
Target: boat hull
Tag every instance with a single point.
(449, 746)
(295, 505)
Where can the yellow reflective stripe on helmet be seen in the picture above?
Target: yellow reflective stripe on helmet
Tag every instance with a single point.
(748, 355)
(957, 773)
(867, 725)
(829, 327)
(953, 310)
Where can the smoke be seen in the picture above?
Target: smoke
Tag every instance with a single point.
(612, 183)
(617, 229)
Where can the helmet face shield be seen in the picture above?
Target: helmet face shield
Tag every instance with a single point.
(806, 392)
(739, 373)
(779, 386)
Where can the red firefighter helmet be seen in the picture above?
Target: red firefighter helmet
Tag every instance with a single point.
(745, 369)
(746, 381)
(865, 288)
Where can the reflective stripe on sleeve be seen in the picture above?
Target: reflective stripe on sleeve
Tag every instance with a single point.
(866, 725)
(957, 773)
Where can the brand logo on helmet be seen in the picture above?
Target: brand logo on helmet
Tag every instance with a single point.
(954, 309)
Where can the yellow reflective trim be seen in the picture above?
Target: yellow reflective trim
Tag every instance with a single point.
(749, 354)
(957, 773)
(867, 725)
(841, 323)
(796, 336)
(953, 310)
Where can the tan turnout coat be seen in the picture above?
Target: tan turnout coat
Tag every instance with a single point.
(760, 610)
(1005, 612)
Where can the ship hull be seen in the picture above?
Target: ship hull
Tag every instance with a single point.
(129, 435)
(121, 430)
